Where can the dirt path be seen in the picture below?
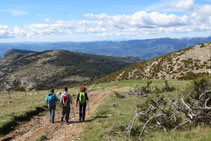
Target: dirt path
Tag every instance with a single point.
(58, 131)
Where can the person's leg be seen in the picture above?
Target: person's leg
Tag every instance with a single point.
(53, 114)
(84, 111)
(80, 111)
(67, 114)
(49, 114)
(62, 114)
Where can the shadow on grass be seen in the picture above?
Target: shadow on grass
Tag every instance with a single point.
(17, 120)
(90, 120)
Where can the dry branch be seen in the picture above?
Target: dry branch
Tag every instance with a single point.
(167, 115)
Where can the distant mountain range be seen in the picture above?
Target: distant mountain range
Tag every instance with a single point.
(42, 70)
(144, 49)
(187, 63)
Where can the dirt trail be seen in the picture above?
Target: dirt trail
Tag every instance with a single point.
(58, 131)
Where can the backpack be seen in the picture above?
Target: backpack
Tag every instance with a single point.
(65, 100)
(51, 102)
(82, 97)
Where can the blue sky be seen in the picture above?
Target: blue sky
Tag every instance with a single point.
(90, 20)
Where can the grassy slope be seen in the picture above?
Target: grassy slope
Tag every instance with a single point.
(188, 63)
(19, 106)
(101, 128)
(56, 68)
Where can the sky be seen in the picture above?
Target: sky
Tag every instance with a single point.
(94, 20)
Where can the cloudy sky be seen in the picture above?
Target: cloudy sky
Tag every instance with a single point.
(91, 20)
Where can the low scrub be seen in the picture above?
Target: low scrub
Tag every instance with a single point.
(169, 114)
(118, 114)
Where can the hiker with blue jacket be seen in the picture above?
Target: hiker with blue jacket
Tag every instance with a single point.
(51, 100)
(82, 99)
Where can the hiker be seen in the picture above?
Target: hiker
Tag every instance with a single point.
(65, 101)
(51, 100)
(82, 98)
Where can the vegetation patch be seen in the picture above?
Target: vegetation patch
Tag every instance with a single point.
(19, 106)
(117, 112)
(42, 137)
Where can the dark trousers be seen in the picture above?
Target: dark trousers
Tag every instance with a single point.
(82, 111)
(65, 113)
(52, 113)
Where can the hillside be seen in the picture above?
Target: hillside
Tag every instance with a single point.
(55, 68)
(111, 110)
(144, 49)
(16, 51)
(181, 64)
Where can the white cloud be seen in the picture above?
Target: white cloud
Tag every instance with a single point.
(42, 15)
(14, 12)
(204, 10)
(7, 32)
(102, 25)
(47, 20)
(184, 4)
(141, 19)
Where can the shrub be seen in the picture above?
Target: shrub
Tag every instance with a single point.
(19, 88)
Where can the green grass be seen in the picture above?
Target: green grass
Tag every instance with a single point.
(195, 134)
(120, 114)
(123, 109)
(41, 137)
(21, 107)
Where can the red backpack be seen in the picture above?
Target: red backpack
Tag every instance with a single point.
(65, 101)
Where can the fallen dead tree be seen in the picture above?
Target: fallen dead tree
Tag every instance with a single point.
(141, 92)
(160, 113)
(147, 90)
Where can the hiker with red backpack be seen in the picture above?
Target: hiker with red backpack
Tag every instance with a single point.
(65, 101)
(82, 99)
(51, 100)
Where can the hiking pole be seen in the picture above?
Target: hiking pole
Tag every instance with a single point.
(88, 108)
(60, 111)
(73, 111)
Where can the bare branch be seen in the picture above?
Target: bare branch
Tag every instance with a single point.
(142, 132)
(181, 124)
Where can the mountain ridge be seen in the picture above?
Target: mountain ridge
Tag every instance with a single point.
(144, 49)
(55, 68)
(182, 64)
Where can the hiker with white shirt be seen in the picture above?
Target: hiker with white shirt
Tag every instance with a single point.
(65, 101)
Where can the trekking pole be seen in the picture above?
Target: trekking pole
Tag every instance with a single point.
(88, 108)
(73, 111)
(60, 111)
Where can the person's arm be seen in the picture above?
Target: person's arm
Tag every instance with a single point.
(46, 99)
(77, 100)
(70, 99)
(86, 96)
(61, 99)
(57, 99)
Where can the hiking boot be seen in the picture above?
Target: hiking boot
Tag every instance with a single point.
(61, 119)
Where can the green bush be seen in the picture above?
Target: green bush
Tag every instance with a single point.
(19, 88)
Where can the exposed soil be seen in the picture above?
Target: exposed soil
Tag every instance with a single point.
(58, 131)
